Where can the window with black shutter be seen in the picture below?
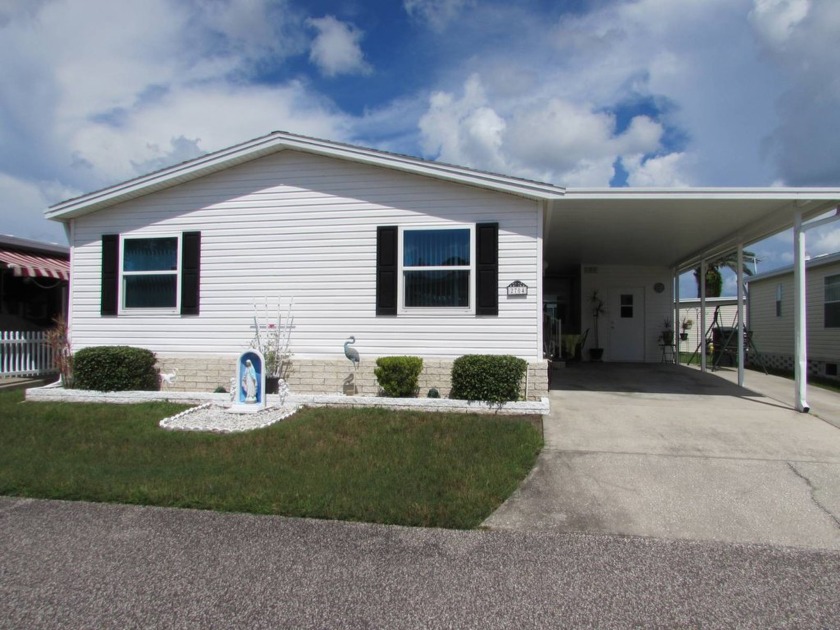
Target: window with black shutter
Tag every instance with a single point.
(428, 269)
(154, 274)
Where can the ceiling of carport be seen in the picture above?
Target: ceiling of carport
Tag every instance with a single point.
(669, 227)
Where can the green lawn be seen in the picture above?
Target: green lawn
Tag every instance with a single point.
(435, 470)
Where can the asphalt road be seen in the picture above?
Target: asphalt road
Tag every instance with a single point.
(74, 565)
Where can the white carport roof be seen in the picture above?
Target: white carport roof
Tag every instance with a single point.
(674, 228)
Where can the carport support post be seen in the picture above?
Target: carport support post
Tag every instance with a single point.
(742, 328)
(675, 283)
(800, 347)
(703, 315)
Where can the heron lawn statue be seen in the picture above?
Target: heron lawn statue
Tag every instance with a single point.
(353, 355)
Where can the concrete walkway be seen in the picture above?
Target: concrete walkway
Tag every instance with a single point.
(670, 452)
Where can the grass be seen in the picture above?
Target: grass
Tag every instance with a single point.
(433, 470)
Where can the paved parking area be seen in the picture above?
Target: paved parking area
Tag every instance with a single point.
(670, 452)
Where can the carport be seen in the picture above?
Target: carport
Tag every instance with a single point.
(636, 243)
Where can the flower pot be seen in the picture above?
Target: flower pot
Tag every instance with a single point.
(596, 354)
(667, 337)
(683, 336)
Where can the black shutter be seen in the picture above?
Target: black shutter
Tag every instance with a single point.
(110, 274)
(487, 269)
(190, 272)
(386, 270)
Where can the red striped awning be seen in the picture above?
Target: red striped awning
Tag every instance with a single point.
(28, 265)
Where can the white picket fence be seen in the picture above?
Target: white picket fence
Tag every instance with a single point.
(25, 353)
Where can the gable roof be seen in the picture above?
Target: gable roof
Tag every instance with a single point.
(281, 141)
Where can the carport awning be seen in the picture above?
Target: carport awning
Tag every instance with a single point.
(31, 266)
(673, 228)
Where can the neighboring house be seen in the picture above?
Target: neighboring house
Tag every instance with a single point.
(411, 257)
(33, 283)
(720, 311)
(771, 316)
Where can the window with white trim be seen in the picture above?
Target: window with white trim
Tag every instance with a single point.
(832, 301)
(437, 268)
(150, 273)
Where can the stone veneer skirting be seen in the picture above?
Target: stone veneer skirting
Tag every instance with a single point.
(785, 362)
(327, 376)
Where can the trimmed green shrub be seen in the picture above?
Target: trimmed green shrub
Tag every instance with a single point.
(434, 393)
(115, 369)
(397, 376)
(487, 377)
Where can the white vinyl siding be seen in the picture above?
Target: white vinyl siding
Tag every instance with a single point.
(727, 314)
(775, 334)
(296, 225)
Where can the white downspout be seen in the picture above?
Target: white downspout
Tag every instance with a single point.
(800, 332)
(741, 326)
(703, 316)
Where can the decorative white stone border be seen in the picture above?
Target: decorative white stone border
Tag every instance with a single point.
(219, 419)
(54, 393)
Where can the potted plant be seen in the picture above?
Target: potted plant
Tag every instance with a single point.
(596, 353)
(685, 325)
(666, 337)
(274, 345)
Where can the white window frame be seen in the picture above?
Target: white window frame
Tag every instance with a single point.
(163, 310)
(402, 309)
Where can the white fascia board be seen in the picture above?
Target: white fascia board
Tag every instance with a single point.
(279, 141)
(804, 196)
(811, 263)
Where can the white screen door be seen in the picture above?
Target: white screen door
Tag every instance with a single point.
(627, 325)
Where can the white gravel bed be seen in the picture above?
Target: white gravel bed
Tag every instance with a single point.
(219, 419)
(55, 393)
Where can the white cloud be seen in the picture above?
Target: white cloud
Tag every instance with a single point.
(775, 20)
(657, 172)
(463, 131)
(201, 113)
(336, 49)
(552, 140)
(823, 241)
(94, 92)
(23, 204)
(438, 14)
(799, 38)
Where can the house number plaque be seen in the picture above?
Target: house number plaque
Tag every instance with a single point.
(517, 288)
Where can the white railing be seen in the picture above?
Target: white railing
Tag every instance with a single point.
(25, 353)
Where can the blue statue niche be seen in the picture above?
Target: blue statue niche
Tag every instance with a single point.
(250, 381)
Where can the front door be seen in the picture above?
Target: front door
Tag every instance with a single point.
(626, 315)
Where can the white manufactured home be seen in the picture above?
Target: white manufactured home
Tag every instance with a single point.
(410, 257)
(771, 316)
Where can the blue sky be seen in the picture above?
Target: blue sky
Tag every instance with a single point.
(577, 93)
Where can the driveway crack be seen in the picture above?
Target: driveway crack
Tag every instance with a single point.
(814, 499)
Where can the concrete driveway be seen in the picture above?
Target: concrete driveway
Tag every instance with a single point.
(670, 452)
